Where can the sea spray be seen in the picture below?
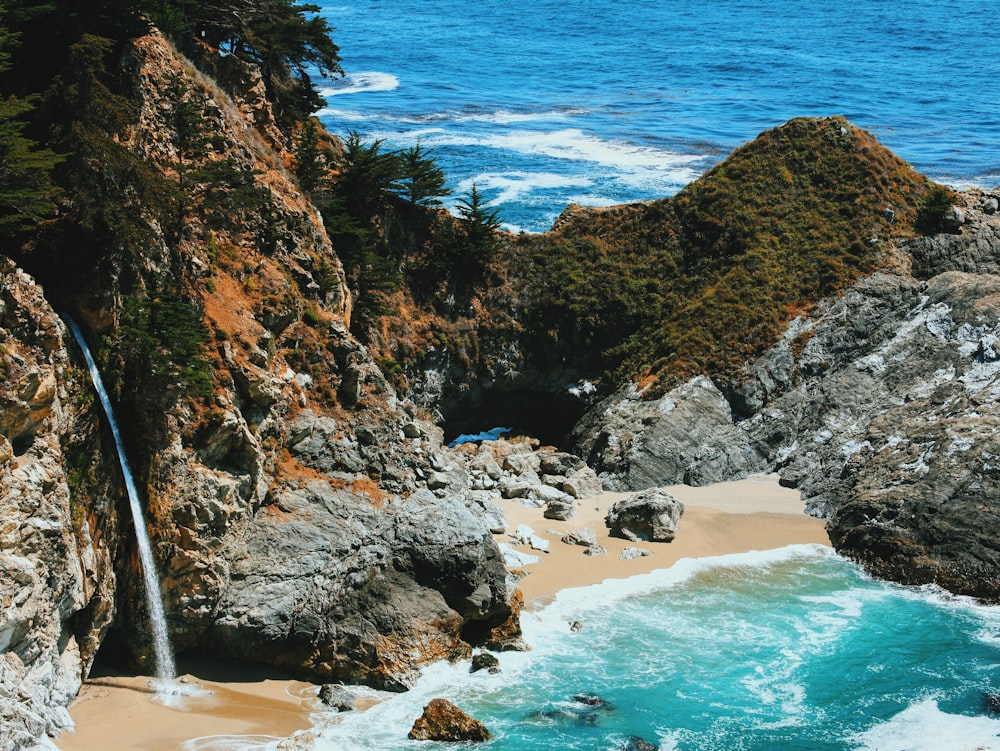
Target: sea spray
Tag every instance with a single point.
(165, 669)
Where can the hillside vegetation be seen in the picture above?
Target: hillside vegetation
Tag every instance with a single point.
(704, 281)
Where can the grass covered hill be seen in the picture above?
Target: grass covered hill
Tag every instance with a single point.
(704, 281)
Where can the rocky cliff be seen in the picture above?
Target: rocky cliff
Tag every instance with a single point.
(285, 484)
(880, 404)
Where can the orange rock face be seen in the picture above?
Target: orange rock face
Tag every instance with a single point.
(443, 721)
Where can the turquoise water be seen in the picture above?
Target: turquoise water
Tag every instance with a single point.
(600, 102)
(786, 650)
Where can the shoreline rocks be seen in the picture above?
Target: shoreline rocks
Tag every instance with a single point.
(650, 516)
(443, 721)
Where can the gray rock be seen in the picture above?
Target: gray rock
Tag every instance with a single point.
(583, 483)
(688, 436)
(560, 510)
(337, 697)
(559, 463)
(595, 549)
(584, 536)
(651, 515)
(631, 554)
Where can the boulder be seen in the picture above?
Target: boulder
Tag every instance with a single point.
(631, 554)
(337, 697)
(685, 436)
(584, 536)
(560, 510)
(651, 515)
(484, 661)
(443, 721)
(635, 743)
(584, 483)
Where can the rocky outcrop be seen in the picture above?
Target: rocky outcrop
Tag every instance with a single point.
(302, 515)
(651, 515)
(443, 721)
(881, 406)
(686, 436)
(57, 537)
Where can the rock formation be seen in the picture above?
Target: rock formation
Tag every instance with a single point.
(880, 405)
(651, 515)
(303, 515)
(443, 721)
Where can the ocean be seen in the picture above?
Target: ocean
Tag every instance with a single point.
(786, 650)
(601, 102)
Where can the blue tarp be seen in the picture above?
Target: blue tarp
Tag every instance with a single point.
(486, 435)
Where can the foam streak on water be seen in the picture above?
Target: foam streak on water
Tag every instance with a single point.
(165, 669)
(580, 88)
(773, 651)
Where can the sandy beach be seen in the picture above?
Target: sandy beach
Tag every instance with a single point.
(728, 517)
(257, 703)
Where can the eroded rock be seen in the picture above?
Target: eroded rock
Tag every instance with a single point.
(651, 516)
(443, 721)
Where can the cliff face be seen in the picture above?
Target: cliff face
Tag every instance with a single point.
(880, 405)
(285, 485)
(61, 533)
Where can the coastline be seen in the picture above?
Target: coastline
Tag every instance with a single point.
(728, 517)
(242, 705)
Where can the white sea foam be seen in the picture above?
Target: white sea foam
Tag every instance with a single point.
(514, 186)
(365, 81)
(231, 743)
(636, 162)
(924, 727)
(384, 724)
(570, 605)
(449, 117)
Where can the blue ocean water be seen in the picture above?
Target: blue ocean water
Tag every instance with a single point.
(601, 102)
(785, 650)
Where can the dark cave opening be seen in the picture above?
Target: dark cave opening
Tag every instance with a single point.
(548, 416)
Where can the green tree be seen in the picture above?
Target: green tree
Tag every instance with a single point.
(111, 186)
(285, 39)
(367, 177)
(27, 193)
(422, 181)
(191, 132)
(479, 227)
(309, 165)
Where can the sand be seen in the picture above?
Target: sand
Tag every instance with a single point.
(123, 713)
(728, 517)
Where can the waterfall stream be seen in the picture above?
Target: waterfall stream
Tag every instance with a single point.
(165, 669)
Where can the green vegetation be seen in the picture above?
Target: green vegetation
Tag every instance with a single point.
(932, 210)
(283, 38)
(703, 282)
(165, 339)
(27, 194)
(381, 214)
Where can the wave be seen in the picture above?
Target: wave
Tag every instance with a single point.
(924, 727)
(514, 186)
(494, 117)
(366, 81)
(553, 622)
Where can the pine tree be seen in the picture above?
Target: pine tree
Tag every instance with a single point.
(309, 166)
(27, 193)
(479, 226)
(422, 181)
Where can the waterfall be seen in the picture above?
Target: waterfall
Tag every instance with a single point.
(165, 669)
